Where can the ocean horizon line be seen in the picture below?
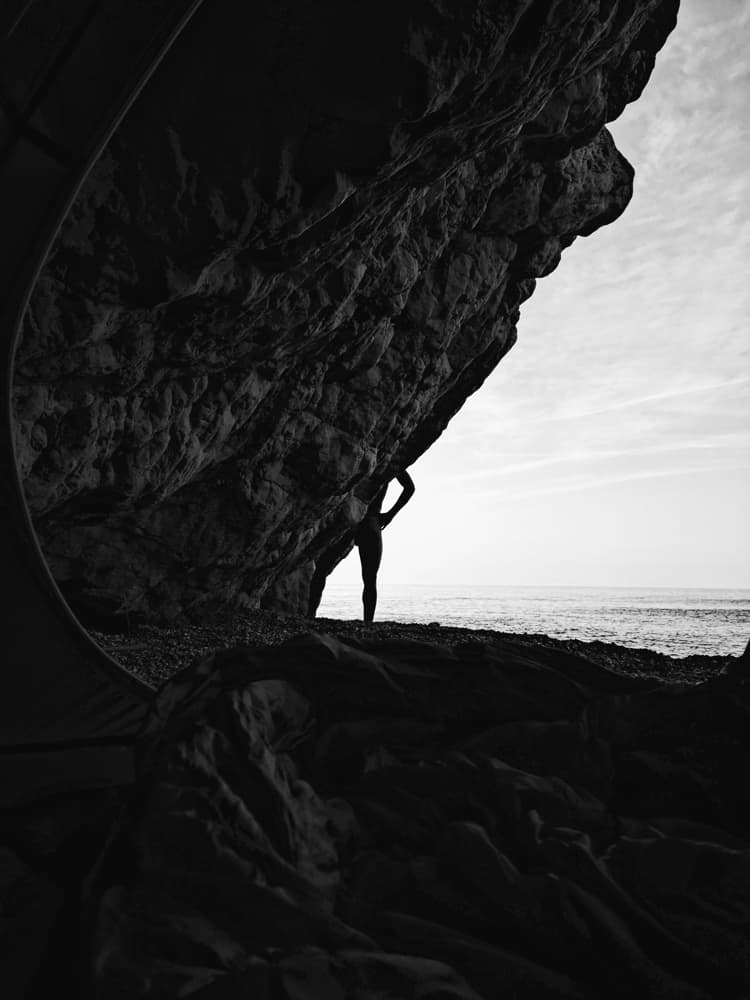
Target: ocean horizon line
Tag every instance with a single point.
(383, 583)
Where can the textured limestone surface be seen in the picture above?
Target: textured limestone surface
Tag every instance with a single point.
(328, 820)
(303, 250)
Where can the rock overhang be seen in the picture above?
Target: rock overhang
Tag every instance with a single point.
(305, 247)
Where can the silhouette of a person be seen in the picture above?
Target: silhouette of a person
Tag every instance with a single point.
(368, 539)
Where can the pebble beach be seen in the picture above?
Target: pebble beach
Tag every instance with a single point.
(155, 654)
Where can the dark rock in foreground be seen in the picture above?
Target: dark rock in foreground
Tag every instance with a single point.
(407, 819)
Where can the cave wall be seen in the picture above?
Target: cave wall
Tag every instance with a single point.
(304, 249)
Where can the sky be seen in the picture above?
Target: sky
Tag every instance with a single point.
(611, 446)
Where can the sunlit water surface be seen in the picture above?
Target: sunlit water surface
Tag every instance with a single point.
(676, 622)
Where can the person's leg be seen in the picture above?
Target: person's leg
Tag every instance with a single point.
(370, 546)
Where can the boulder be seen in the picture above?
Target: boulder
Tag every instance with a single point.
(309, 821)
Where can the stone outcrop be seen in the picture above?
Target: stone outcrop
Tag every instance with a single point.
(303, 250)
(398, 818)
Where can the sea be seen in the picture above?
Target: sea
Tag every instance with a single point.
(678, 622)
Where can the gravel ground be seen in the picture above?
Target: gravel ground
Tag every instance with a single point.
(154, 654)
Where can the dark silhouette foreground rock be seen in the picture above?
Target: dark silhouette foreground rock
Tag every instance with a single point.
(400, 819)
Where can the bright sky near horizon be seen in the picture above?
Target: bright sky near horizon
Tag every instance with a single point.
(611, 447)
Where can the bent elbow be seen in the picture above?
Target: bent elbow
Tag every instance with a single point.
(407, 483)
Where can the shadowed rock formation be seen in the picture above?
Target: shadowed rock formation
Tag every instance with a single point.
(306, 246)
(321, 820)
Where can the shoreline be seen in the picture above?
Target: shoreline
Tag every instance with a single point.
(155, 653)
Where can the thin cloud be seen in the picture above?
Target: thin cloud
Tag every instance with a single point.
(598, 482)
(719, 442)
(641, 400)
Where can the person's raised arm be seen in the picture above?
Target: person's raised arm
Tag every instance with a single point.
(407, 492)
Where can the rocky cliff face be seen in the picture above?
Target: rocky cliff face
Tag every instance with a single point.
(304, 249)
